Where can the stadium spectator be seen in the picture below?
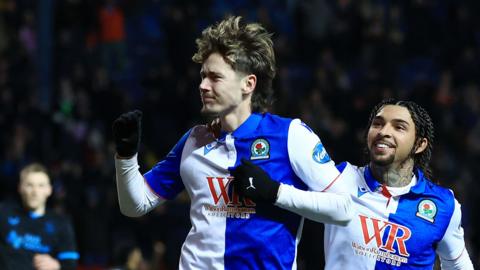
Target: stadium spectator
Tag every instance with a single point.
(112, 36)
(31, 236)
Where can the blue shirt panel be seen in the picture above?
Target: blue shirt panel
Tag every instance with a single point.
(267, 240)
(424, 234)
(164, 178)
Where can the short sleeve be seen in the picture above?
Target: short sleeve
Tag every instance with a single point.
(164, 178)
(452, 243)
(67, 253)
(309, 158)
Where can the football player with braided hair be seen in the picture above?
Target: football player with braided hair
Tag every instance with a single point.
(424, 129)
(238, 221)
(403, 219)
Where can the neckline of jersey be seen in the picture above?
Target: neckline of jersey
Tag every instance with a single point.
(373, 184)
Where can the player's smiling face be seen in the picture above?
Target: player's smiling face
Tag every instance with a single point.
(391, 136)
(222, 89)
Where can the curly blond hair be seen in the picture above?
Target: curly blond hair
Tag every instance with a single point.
(247, 48)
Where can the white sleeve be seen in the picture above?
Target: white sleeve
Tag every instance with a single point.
(134, 195)
(309, 158)
(463, 262)
(451, 249)
(318, 206)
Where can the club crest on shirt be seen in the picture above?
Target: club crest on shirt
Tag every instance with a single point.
(319, 154)
(260, 149)
(427, 210)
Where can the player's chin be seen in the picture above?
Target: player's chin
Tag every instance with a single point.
(32, 206)
(382, 160)
(209, 112)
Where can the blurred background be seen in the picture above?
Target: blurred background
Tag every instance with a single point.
(68, 68)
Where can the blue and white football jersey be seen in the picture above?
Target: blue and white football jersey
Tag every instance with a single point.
(402, 231)
(227, 232)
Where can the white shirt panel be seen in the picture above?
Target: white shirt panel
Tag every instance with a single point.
(204, 245)
(316, 169)
(452, 244)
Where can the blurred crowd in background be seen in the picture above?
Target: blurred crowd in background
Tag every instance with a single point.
(68, 68)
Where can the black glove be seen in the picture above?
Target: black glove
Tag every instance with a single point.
(126, 133)
(254, 183)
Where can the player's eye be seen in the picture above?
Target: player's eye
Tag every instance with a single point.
(377, 123)
(215, 77)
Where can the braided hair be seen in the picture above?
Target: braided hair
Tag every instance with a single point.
(423, 126)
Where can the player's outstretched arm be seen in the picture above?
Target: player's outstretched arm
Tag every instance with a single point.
(253, 182)
(134, 196)
(318, 206)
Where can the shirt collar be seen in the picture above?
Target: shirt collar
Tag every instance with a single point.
(34, 215)
(248, 128)
(221, 138)
(419, 188)
(373, 184)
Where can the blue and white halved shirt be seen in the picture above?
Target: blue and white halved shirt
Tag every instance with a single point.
(393, 232)
(229, 233)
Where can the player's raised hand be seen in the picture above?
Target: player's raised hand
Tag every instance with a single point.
(127, 129)
(253, 182)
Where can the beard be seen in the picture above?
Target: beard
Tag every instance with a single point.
(207, 115)
(382, 160)
(212, 112)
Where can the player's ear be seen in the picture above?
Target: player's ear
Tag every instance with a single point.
(249, 82)
(422, 144)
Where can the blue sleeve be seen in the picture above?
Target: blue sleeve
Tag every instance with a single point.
(164, 178)
(67, 250)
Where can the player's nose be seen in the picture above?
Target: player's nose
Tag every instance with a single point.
(205, 85)
(385, 130)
